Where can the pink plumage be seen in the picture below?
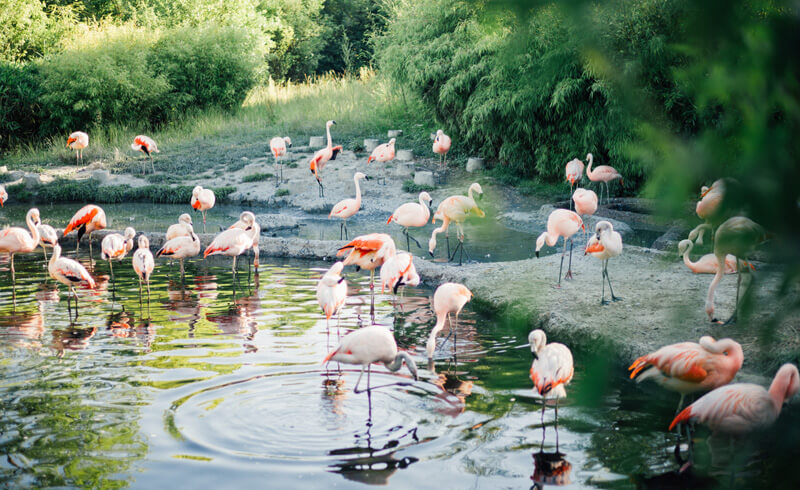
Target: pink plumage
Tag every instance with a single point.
(552, 368)
(585, 201)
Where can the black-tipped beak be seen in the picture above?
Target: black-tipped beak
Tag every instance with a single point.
(366, 177)
(431, 253)
(340, 280)
(537, 254)
(334, 122)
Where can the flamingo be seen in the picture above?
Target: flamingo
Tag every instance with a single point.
(78, 141)
(202, 200)
(412, 214)
(741, 408)
(560, 223)
(450, 297)
(181, 247)
(184, 227)
(246, 221)
(347, 208)
(707, 264)
(441, 145)
(47, 237)
(551, 371)
(604, 245)
(332, 292)
(321, 157)
(146, 145)
(397, 271)
(88, 219)
(603, 174)
(3, 196)
(585, 202)
(115, 246)
(737, 236)
(369, 252)
(456, 209)
(574, 173)
(17, 240)
(143, 265)
(278, 147)
(70, 273)
(232, 242)
(368, 345)
(382, 154)
(708, 208)
(689, 367)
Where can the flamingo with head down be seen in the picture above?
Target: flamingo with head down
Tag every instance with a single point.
(382, 154)
(3, 196)
(456, 209)
(277, 146)
(148, 146)
(369, 252)
(88, 219)
(412, 214)
(561, 223)
(78, 141)
(449, 298)
(574, 173)
(202, 200)
(70, 273)
(551, 371)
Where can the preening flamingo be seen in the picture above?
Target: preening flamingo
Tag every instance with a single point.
(382, 154)
(146, 145)
(322, 157)
(740, 408)
(202, 200)
(47, 237)
(88, 219)
(708, 208)
(278, 147)
(3, 196)
(17, 240)
(412, 214)
(441, 145)
(574, 173)
(456, 209)
(737, 236)
(70, 273)
(399, 271)
(143, 265)
(371, 344)
(181, 247)
(585, 202)
(232, 242)
(184, 227)
(551, 371)
(332, 292)
(603, 174)
(707, 264)
(449, 298)
(604, 245)
(247, 220)
(346, 208)
(78, 141)
(115, 246)
(561, 223)
(369, 252)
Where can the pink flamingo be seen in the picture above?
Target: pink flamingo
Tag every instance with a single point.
(78, 141)
(332, 292)
(382, 154)
(369, 252)
(181, 247)
(585, 202)
(441, 145)
(278, 147)
(3, 196)
(115, 246)
(551, 371)
(412, 214)
(143, 265)
(689, 367)
(602, 173)
(560, 223)
(456, 209)
(88, 219)
(247, 220)
(232, 242)
(322, 157)
(347, 208)
(399, 271)
(47, 237)
(202, 200)
(16, 240)
(604, 245)
(574, 173)
(707, 208)
(740, 408)
(146, 145)
(450, 297)
(70, 273)
(184, 227)
(369, 345)
(707, 264)
(737, 236)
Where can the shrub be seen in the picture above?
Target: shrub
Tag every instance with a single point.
(282, 192)
(64, 190)
(258, 177)
(19, 114)
(412, 187)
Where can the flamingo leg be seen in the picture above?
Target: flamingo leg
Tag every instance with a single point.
(153, 166)
(372, 294)
(90, 248)
(569, 267)
(321, 189)
(561, 267)
(204, 221)
(148, 299)
(603, 284)
(341, 230)
(182, 272)
(13, 273)
(44, 251)
(543, 426)
(732, 319)
(556, 428)
(570, 195)
(608, 278)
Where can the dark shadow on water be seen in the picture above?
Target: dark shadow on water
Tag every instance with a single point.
(550, 469)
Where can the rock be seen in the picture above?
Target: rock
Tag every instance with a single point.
(30, 179)
(370, 144)
(404, 169)
(395, 133)
(404, 155)
(3, 169)
(669, 240)
(474, 164)
(321, 205)
(316, 142)
(424, 178)
(102, 176)
(46, 179)
(14, 175)
(270, 222)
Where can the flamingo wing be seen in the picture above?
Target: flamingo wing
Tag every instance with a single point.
(82, 217)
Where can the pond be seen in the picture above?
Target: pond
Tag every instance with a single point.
(225, 386)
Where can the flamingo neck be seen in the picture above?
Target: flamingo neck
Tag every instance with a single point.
(589, 167)
(34, 230)
(330, 143)
(55, 256)
(777, 391)
(713, 287)
(358, 194)
(431, 345)
(686, 260)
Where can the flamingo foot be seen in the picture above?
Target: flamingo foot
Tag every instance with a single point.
(568, 276)
(556, 286)
(730, 321)
(616, 298)
(604, 302)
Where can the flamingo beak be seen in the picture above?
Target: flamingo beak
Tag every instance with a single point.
(340, 280)
(334, 122)
(537, 254)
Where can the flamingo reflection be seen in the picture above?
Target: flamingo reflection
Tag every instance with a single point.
(71, 339)
(551, 469)
(454, 394)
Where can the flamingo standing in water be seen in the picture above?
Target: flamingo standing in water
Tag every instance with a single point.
(603, 174)
(737, 236)
(3, 196)
(741, 408)
(47, 237)
(551, 371)
(560, 223)
(78, 141)
(202, 200)
(16, 240)
(371, 344)
(707, 264)
(604, 245)
(232, 242)
(574, 173)
(146, 145)
(347, 208)
(450, 297)
(456, 209)
(181, 247)
(184, 227)
(441, 145)
(143, 265)
(322, 157)
(88, 219)
(412, 214)
(70, 273)
(585, 202)
(332, 292)
(382, 154)
(369, 252)
(115, 246)
(399, 271)
(247, 221)
(708, 208)
(278, 147)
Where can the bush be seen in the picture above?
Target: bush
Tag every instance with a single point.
(258, 177)
(19, 112)
(64, 190)
(412, 187)
(282, 192)
(28, 31)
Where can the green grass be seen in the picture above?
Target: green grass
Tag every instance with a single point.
(412, 187)
(282, 192)
(259, 177)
